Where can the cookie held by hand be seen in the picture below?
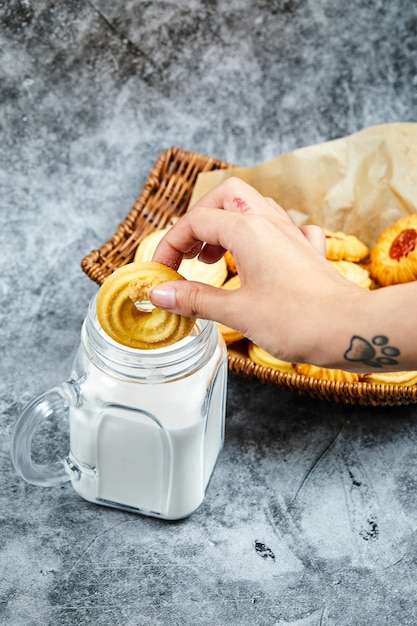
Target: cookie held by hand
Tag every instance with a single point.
(126, 315)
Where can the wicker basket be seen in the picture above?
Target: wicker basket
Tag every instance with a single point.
(166, 194)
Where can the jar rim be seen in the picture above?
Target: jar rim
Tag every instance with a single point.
(128, 361)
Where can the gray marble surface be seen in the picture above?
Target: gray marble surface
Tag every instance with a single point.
(311, 516)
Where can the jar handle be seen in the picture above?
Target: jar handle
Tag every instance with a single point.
(53, 401)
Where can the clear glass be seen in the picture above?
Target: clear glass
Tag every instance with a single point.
(146, 426)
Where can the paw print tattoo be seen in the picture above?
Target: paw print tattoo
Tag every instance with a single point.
(375, 353)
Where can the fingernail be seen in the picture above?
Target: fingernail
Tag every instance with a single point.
(163, 296)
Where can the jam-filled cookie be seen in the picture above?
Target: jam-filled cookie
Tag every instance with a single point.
(394, 256)
(126, 315)
(342, 247)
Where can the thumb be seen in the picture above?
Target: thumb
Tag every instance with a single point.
(192, 299)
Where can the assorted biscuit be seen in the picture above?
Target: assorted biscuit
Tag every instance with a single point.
(325, 373)
(192, 269)
(342, 247)
(229, 334)
(261, 357)
(353, 272)
(393, 258)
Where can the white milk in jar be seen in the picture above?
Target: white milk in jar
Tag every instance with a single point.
(146, 426)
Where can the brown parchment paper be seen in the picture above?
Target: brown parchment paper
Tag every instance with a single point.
(359, 184)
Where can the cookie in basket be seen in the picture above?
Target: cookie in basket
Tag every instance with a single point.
(231, 265)
(393, 258)
(229, 334)
(192, 269)
(353, 272)
(324, 373)
(261, 357)
(391, 378)
(342, 247)
(232, 283)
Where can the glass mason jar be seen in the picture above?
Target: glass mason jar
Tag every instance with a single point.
(146, 426)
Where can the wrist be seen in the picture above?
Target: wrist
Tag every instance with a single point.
(368, 331)
(343, 331)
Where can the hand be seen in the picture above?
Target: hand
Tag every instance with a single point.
(289, 293)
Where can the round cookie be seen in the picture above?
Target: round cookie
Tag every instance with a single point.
(192, 269)
(139, 325)
(342, 247)
(394, 256)
(261, 357)
(391, 378)
(232, 283)
(324, 373)
(230, 262)
(229, 334)
(353, 272)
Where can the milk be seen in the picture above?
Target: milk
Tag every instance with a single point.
(150, 447)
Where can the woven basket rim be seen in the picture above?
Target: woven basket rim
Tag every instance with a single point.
(165, 196)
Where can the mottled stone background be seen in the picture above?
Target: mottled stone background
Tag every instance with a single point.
(311, 516)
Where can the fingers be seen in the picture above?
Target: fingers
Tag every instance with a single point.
(236, 196)
(195, 299)
(315, 235)
(219, 221)
(208, 228)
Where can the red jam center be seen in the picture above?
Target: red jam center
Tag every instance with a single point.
(403, 244)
